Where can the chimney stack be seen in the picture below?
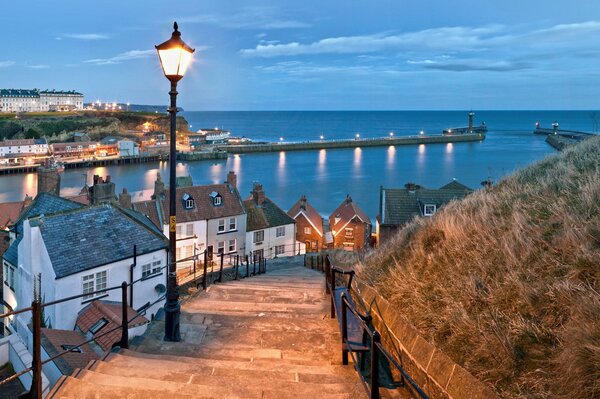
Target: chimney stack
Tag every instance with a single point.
(303, 202)
(102, 191)
(125, 199)
(411, 187)
(159, 188)
(258, 194)
(48, 180)
(232, 179)
(348, 199)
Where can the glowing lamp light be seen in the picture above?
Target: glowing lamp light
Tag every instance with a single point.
(322, 137)
(357, 136)
(422, 132)
(175, 56)
(391, 134)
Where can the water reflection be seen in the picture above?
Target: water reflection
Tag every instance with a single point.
(391, 157)
(281, 171)
(449, 148)
(30, 184)
(357, 158)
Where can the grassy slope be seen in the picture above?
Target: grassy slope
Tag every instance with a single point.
(507, 281)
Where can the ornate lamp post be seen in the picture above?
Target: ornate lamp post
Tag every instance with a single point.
(175, 57)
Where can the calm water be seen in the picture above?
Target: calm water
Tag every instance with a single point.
(326, 176)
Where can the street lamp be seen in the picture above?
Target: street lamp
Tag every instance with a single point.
(175, 57)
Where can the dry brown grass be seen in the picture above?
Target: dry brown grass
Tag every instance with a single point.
(507, 281)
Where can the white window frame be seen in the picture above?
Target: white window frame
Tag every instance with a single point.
(218, 200)
(307, 230)
(221, 226)
(189, 204)
(257, 234)
(232, 247)
(93, 278)
(220, 247)
(348, 232)
(280, 231)
(234, 224)
(279, 249)
(425, 209)
(189, 229)
(150, 269)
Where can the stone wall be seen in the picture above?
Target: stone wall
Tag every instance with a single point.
(433, 371)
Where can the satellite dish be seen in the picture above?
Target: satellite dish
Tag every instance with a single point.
(160, 288)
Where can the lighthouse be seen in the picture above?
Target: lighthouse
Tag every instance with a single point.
(471, 121)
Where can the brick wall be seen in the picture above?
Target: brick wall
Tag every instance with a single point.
(301, 236)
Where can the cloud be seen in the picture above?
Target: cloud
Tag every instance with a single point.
(129, 56)
(123, 57)
(248, 18)
(37, 66)
(476, 65)
(84, 36)
(5, 64)
(445, 38)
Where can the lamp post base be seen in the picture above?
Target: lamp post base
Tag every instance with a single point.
(172, 313)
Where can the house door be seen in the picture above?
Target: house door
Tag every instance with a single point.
(308, 246)
(258, 254)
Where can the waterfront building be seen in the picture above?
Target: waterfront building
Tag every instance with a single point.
(23, 100)
(80, 250)
(309, 225)
(398, 206)
(270, 231)
(208, 136)
(350, 226)
(74, 150)
(22, 150)
(209, 217)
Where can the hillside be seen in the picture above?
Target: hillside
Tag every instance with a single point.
(98, 124)
(507, 281)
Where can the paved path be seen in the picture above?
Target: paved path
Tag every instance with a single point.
(268, 336)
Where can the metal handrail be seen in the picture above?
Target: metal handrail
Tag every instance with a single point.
(376, 348)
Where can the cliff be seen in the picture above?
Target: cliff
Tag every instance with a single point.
(507, 281)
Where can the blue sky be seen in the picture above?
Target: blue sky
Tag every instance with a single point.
(313, 55)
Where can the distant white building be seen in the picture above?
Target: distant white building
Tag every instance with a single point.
(12, 151)
(128, 148)
(23, 100)
(270, 231)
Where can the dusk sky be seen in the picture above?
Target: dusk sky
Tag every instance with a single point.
(313, 55)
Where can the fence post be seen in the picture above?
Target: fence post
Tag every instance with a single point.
(375, 365)
(344, 330)
(221, 268)
(204, 279)
(247, 267)
(35, 392)
(254, 265)
(237, 267)
(332, 282)
(327, 273)
(124, 324)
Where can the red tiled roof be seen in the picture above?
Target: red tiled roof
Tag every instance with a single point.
(347, 211)
(81, 198)
(150, 209)
(302, 206)
(9, 213)
(111, 312)
(53, 340)
(231, 204)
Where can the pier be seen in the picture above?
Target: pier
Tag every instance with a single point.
(332, 144)
(560, 138)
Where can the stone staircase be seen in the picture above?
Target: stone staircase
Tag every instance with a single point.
(268, 336)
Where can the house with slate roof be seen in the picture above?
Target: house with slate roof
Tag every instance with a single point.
(309, 225)
(87, 249)
(44, 203)
(209, 217)
(398, 206)
(350, 226)
(270, 231)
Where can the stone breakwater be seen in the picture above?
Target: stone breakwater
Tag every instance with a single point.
(332, 144)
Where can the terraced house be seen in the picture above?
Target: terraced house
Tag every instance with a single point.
(209, 217)
(24, 100)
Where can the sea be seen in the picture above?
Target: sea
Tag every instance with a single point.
(327, 176)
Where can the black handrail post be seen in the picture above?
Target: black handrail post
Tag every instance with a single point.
(375, 340)
(35, 392)
(124, 322)
(247, 267)
(327, 272)
(237, 267)
(332, 288)
(254, 265)
(344, 330)
(221, 268)
(204, 278)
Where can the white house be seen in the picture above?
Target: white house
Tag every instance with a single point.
(24, 100)
(209, 217)
(270, 231)
(128, 148)
(84, 250)
(14, 150)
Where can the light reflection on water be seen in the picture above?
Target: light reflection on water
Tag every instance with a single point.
(325, 176)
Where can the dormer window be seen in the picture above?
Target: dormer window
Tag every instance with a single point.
(188, 201)
(217, 200)
(429, 209)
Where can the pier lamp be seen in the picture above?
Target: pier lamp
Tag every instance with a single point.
(175, 57)
(322, 137)
(357, 136)
(391, 134)
(422, 132)
(281, 139)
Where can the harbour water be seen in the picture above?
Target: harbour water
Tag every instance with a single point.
(326, 176)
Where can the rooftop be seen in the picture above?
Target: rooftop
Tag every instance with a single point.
(302, 206)
(57, 341)
(344, 214)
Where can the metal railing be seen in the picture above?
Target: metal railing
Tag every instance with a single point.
(371, 338)
(253, 265)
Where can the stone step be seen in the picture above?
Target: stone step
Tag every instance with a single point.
(185, 364)
(255, 307)
(264, 296)
(74, 388)
(225, 387)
